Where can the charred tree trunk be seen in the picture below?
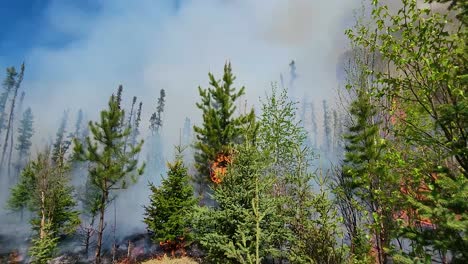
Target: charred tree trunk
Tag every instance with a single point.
(42, 231)
(102, 211)
(89, 231)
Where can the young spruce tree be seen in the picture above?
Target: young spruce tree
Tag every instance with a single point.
(238, 229)
(170, 204)
(45, 190)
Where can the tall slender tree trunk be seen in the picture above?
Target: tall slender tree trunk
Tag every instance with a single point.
(20, 108)
(42, 232)
(102, 211)
(89, 233)
(12, 110)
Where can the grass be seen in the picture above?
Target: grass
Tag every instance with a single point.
(167, 260)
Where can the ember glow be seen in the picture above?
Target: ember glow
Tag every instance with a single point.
(219, 167)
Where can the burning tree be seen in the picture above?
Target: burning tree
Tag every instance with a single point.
(111, 165)
(220, 129)
(166, 216)
(219, 166)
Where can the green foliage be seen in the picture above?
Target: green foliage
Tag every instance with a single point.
(25, 132)
(461, 7)
(308, 227)
(44, 189)
(112, 166)
(43, 248)
(61, 143)
(423, 93)
(280, 134)
(220, 129)
(170, 205)
(237, 229)
(8, 86)
(156, 118)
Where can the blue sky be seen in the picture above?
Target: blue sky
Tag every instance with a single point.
(78, 51)
(24, 25)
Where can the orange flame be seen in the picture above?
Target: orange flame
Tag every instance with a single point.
(219, 167)
(173, 246)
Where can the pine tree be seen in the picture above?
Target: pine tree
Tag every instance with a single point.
(220, 129)
(111, 167)
(166, 215)
(25, 133)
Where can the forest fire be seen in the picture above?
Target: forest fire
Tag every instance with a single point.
(174, 246)
(219, 167)
(15, 257)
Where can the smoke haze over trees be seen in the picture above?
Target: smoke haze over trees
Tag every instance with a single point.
(336, 132)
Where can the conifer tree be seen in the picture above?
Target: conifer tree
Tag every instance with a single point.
(8, 86)
(136, 124)
(118, 99)
(25, 133)
(156, 154)
(314, 124)
(363, 152)
(156, 121)
(44, 189)
(166, 216)
(17, 79)
(327, 126)
(220, 129)
(111, 167)
(17, 112)
(61, 143)
(78, 123)
(238, 229)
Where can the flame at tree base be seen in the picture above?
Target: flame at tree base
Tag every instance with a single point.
(173, 246)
